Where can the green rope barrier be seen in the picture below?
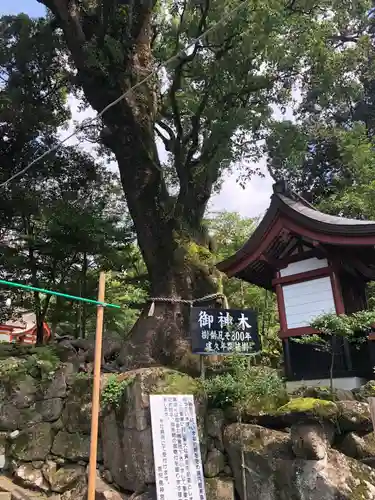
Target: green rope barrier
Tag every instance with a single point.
(58, 294)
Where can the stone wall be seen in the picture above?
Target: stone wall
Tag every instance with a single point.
(310, 449)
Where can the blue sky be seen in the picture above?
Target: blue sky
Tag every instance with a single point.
(31, 7)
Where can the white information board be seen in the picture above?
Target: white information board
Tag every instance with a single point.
(177, 456)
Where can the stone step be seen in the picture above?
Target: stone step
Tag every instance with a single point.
(5, 495)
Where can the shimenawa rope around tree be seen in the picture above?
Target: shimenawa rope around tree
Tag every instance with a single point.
(190, 302)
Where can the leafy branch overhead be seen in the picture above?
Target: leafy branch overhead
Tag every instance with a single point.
(326, 153)
(208, 110)
(67, 218)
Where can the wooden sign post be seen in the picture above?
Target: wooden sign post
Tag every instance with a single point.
(96, 391)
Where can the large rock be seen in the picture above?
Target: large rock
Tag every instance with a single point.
(301, 409)
(127, 454)
(79, 492)
(73, 446)
(264, 452)
(215, 420)
(105, 492)
(64, 478)
(56, 388)
(358, 447)
(126, 430)
(219, 488)
(51, 409)
(33, 443)
(311, 440)
(77, 411)
(214, 464)
(77, 416)
(24, 392)
(12, 417)
(366, 391)
(272, 472)
(354, 416)
(27, 476)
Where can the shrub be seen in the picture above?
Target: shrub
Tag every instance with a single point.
(113, 391)
(178, 383)
(257, 388)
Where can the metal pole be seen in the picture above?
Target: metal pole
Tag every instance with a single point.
(96, 391)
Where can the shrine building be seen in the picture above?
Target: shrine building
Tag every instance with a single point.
(315, 263)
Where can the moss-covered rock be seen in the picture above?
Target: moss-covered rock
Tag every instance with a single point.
(220, 488)
(310, 440)
(12, 371)
(358, 447)
(214, 464)
(76, 416)
(273, 473)
(354, 416)
(33, 443)
(361, 481)
(63, 478)
(55, 388)
(263, 451)
(51, 409)
(366, 391)
(27, 476)
(308, 408)
(13, 418)
(74, 446)
(126, 428)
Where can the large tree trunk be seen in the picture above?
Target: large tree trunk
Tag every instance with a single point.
(161, 334)
(165, 225)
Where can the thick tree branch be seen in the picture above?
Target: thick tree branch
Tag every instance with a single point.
(129, 124)
(168, 144)
(193, 136)
(184, 59)
(167, 129)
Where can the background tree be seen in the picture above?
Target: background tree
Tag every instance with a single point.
(326, 154)
(213, 107)
(230, 231)
(66, 219)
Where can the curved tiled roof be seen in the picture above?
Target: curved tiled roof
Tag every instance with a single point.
(310, 212)
(289, 209)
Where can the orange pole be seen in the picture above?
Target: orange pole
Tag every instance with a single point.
(96, 391)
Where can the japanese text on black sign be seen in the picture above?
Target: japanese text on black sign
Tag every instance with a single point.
(215, 331)
(178, 466)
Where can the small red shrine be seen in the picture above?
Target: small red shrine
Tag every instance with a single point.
(315, 262)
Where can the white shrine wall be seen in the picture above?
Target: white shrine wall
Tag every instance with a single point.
(306, 300)
(303, 266)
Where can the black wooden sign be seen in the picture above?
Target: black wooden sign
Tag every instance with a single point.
(224, 331)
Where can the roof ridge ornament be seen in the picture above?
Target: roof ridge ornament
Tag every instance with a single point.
(281, 187)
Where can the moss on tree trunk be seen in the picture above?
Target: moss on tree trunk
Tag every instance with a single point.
(163, 338)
